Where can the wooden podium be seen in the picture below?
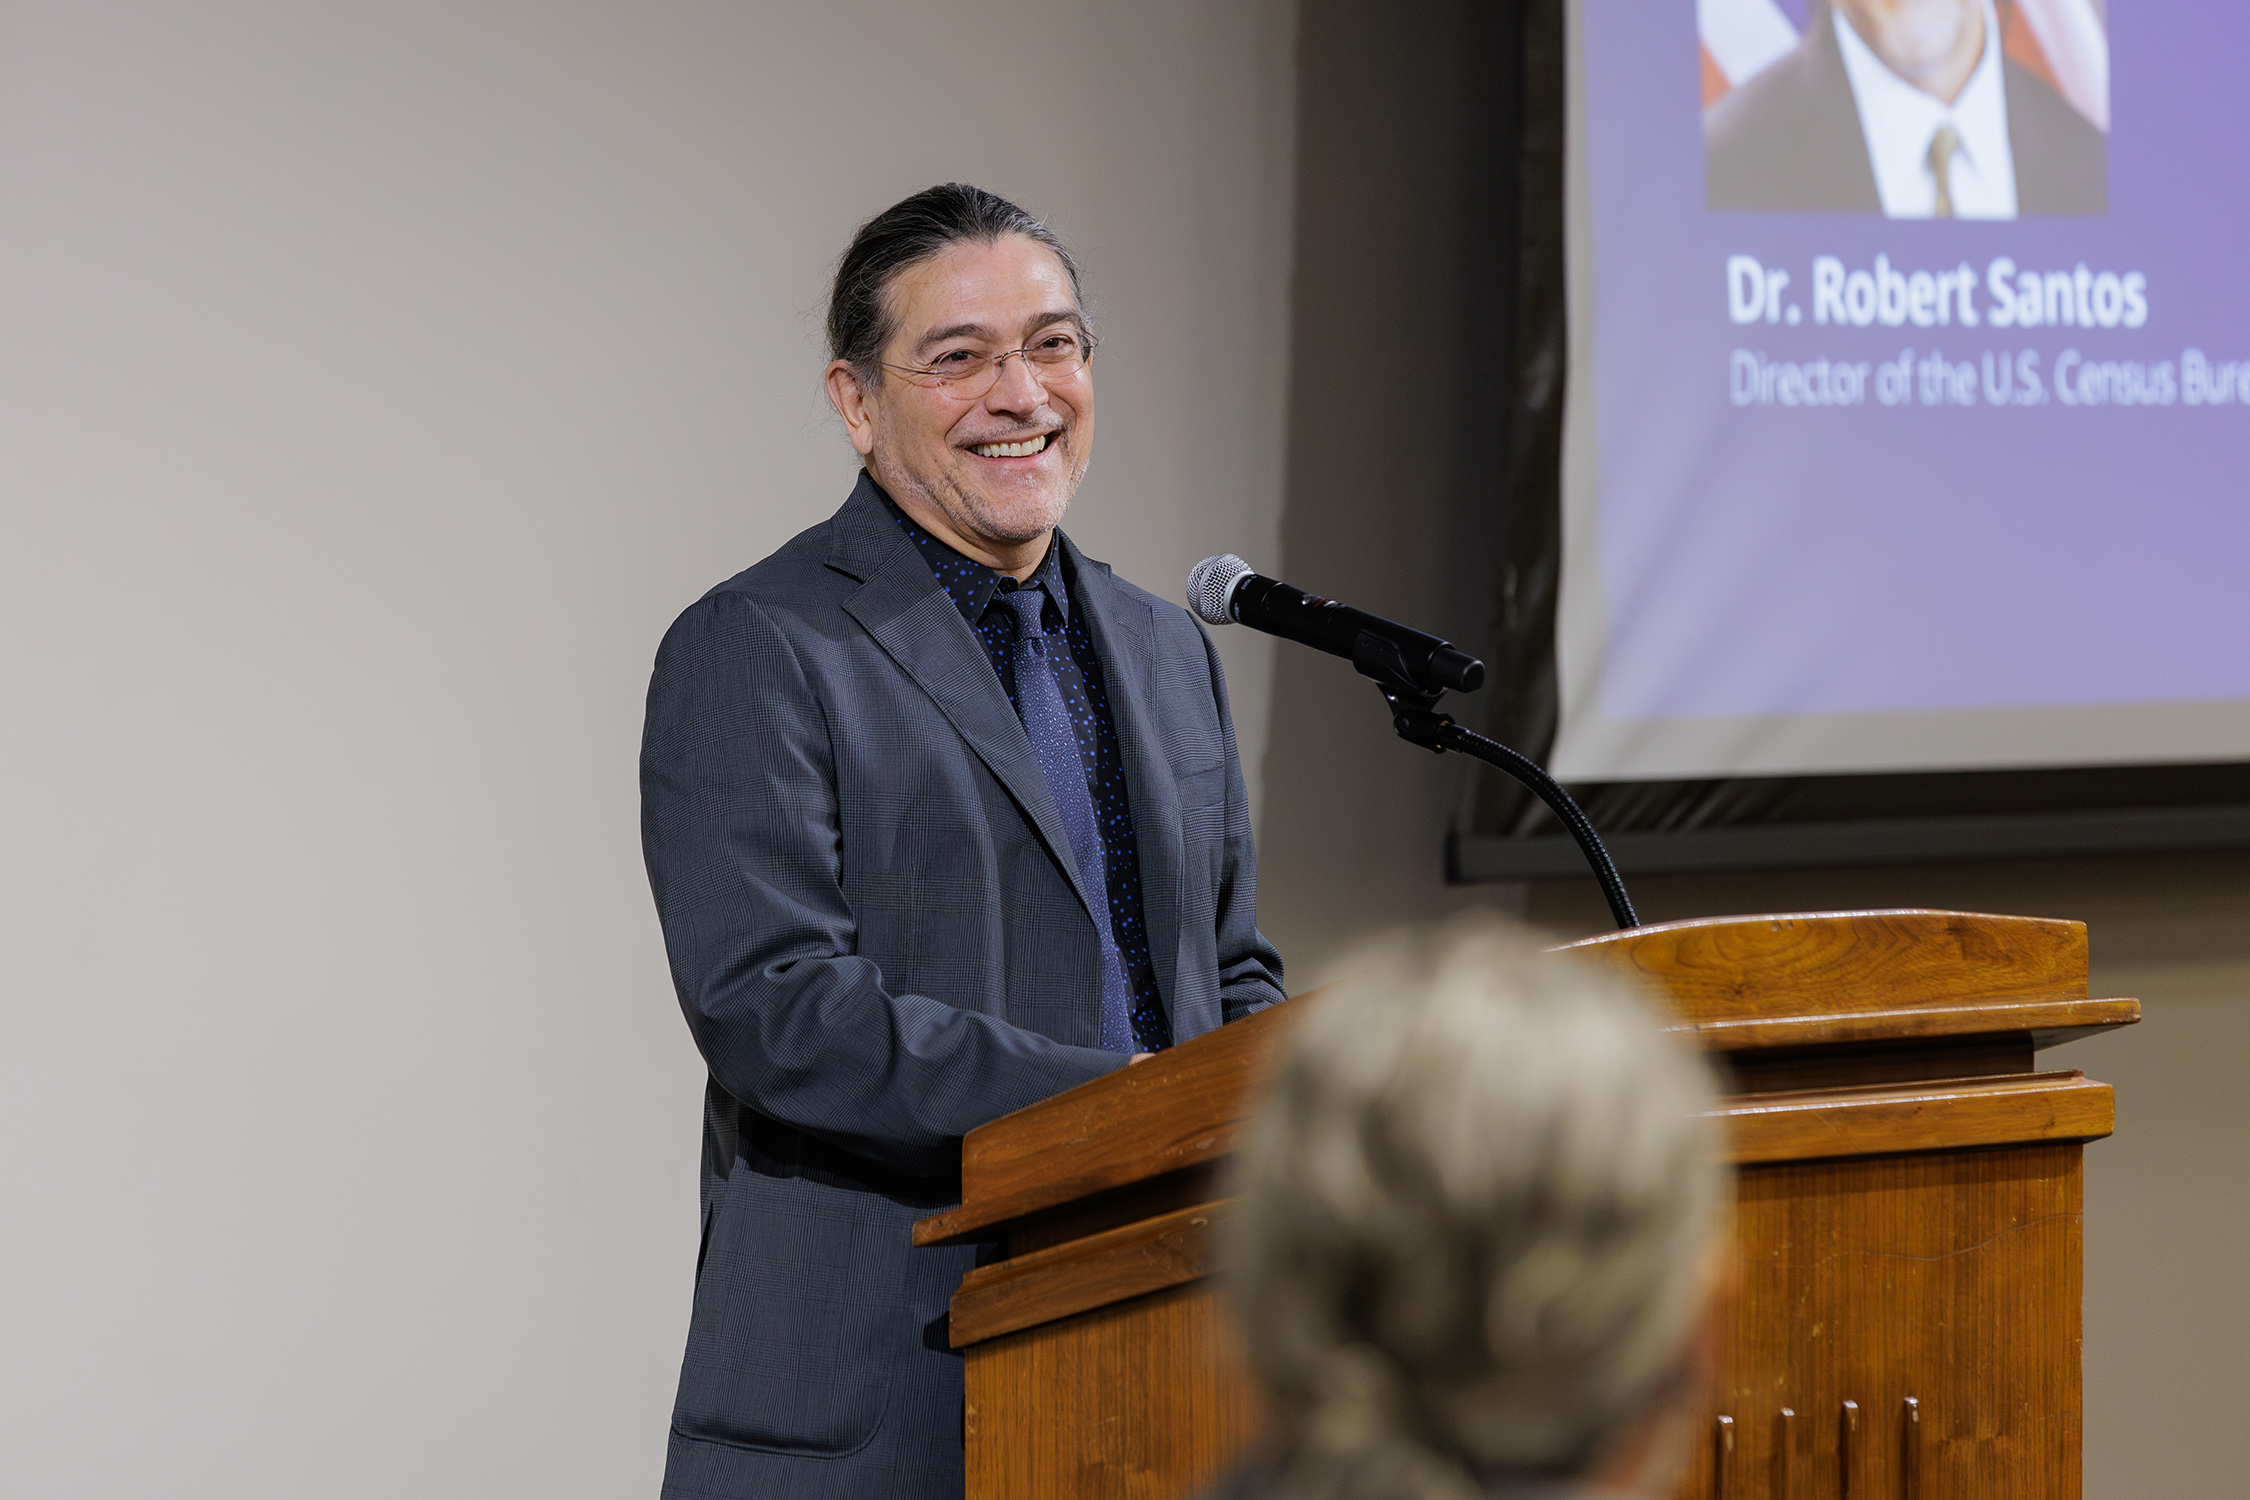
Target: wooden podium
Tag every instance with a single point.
(1908, 1225)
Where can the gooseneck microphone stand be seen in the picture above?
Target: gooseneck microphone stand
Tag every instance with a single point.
(1412, 668)
(1414, 714)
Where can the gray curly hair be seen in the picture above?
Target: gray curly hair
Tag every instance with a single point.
(1477, 1206)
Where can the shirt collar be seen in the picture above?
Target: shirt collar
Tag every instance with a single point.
(970, 584)
(1899, 121)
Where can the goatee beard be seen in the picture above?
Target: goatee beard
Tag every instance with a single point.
(973, 517)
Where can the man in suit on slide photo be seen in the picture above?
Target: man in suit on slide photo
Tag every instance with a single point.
(1908, 108)
(941, 817)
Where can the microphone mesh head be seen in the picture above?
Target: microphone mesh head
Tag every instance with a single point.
(1210, 588)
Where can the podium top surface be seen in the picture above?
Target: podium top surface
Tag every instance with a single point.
(1742, 985)
(1735, 964)
(1826, 978)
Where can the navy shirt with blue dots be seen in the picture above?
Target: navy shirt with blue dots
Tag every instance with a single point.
(974, 590)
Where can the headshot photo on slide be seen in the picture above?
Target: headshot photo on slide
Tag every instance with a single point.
(1913, 109)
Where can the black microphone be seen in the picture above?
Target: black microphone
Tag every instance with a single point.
(1222, 589)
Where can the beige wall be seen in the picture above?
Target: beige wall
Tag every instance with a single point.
(376, 383)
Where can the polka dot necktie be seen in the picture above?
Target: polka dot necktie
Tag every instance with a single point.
(1046, 720)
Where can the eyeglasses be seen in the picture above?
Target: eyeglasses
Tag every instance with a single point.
(966, 373)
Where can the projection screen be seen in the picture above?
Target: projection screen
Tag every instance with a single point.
(1909, 394)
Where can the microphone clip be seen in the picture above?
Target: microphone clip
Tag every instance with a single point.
(1379, 658)
(1414, 713)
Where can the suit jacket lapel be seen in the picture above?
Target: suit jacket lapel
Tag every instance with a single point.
(911, 618)
(1839, 142)
(1124, 635)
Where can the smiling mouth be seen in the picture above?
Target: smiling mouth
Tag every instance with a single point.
(1024, 449)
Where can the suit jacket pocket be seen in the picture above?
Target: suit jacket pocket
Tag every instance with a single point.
(798, 1312)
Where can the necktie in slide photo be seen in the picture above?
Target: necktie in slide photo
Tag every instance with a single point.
(1943, 146)
(1047, 720)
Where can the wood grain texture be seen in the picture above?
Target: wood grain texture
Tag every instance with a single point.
(1144, 1200)
(1141, 1400)
(1844, 1067)
(1742, 985)
(1949, 1277)
(1733, 969)
(2043, 1023)
(1907, 1233)
(1173, 1248)
(1092, 1272)
(1177, 1110)
(1817, 1123)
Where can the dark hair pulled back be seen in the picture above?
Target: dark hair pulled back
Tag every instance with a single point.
(860, 318)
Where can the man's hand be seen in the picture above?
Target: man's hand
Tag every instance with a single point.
(1139, 1057)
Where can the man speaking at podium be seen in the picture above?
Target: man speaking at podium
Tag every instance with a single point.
(941, 818)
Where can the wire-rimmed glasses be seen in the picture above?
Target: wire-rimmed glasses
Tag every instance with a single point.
(966, 372)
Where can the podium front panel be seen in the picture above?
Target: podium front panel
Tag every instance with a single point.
(1140, 1400)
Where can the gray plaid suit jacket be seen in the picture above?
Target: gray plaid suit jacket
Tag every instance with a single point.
(879, 937)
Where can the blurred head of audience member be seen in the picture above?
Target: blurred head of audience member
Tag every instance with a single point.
(1476, 1246)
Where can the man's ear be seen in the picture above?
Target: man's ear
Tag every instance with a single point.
(851, 403)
